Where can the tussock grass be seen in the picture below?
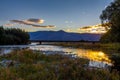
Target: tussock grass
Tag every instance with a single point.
(38, 66)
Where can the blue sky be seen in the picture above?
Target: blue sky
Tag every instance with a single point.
(64, 14)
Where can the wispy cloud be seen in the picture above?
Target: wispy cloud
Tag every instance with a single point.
(48, 26)
(93, 29)
(31, 22)
(20, 22)
(86, 27)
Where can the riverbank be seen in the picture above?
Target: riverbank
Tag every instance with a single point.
(109, 47)
(37, 66)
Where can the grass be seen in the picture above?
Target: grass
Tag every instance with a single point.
(107, 47)
(38, 66)
(111, 49)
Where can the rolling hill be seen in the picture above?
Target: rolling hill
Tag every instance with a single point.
(63, 36)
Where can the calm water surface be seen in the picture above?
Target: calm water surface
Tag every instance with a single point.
(97, 58)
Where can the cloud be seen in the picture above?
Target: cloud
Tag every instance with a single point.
(48, 26)
(29, 21)
(93, 29)
(20, 22)
(86, 27)
(33, 22)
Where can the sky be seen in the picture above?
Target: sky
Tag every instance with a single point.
(35, 15)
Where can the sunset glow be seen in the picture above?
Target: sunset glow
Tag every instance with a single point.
(94, 29)
(95, 56)
(39, 15)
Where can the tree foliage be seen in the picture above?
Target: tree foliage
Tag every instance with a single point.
(11, 36)
(112, 15)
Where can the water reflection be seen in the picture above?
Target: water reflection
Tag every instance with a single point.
(94, 55)
(97, 58)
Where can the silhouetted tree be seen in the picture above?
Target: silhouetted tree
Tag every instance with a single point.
(112, 15)
(13, 36)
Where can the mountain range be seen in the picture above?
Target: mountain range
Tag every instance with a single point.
(63, 36)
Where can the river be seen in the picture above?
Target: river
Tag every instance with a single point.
(96, 58)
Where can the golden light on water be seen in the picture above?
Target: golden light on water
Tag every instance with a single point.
(94, 55)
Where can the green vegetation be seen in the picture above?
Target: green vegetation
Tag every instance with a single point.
(37, 66)
(108, 47)
(112, 15)
(11, 36)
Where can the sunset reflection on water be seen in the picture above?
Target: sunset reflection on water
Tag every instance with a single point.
(93, 55)
(96, 58)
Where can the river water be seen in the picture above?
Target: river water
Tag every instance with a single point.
(96, 58)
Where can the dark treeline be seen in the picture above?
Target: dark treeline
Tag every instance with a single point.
(10, 36)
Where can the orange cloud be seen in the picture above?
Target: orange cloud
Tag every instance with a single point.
(94, 29)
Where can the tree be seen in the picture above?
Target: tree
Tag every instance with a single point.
(1, 30)
(112, 15)
(11, 36)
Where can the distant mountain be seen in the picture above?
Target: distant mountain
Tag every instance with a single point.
(63, 36)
